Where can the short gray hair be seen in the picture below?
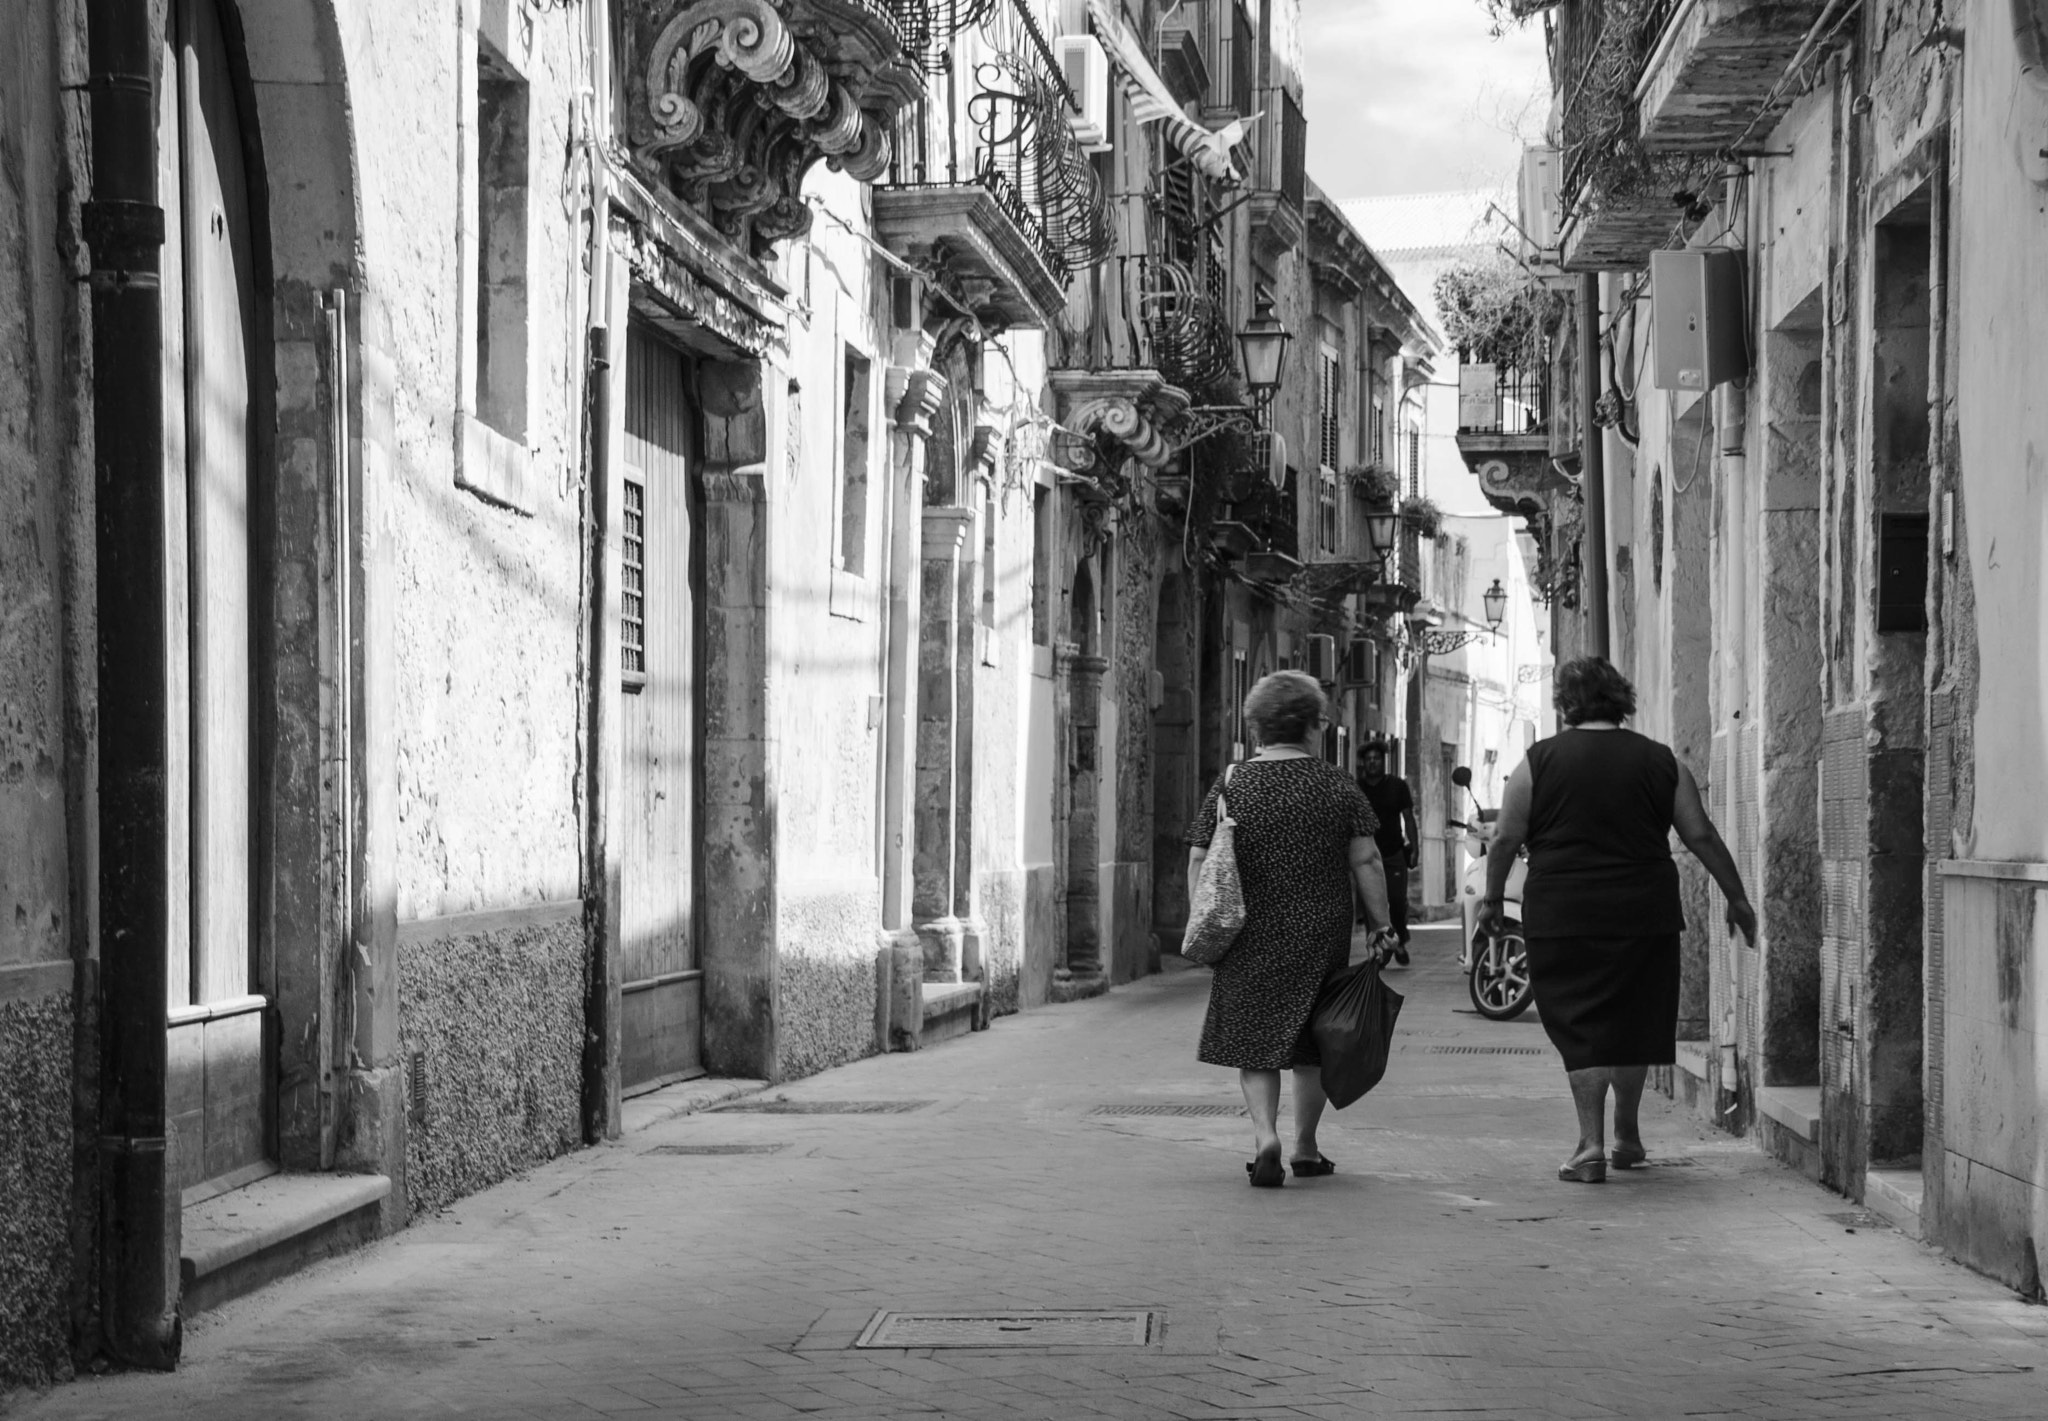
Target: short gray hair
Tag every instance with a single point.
(1285, 706)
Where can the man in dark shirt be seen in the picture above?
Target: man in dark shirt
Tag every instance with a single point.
(1399, 840)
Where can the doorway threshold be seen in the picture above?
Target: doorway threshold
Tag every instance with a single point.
(234, 1243)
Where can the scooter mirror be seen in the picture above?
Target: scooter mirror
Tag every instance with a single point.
(1461, 777)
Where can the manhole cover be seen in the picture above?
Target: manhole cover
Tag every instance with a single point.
(1162, 1109)
(715, 1149)
(1489, 1050)
(825, 1107)
(1010, 1329)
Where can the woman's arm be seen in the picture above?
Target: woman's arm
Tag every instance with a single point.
(1510, 832)
(1689, 817)
(1369, 873)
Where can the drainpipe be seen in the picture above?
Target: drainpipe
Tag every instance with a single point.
(1593, 467)
(124, 225)
(602, 1036)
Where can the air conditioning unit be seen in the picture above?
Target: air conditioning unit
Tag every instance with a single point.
(1086, 70)
(1540, 201)
(1322, 657)
(1361, 662)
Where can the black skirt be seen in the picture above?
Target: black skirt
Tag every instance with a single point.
(1608, 1001)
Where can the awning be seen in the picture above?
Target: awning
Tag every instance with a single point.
(1153, 102)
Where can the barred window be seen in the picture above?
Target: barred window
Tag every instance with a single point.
(633, 583)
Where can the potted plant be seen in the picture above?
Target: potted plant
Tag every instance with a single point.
(1422, 514)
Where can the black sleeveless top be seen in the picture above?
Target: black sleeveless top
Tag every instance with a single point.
(1600, 837)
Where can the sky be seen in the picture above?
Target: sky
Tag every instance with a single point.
(1416, 96)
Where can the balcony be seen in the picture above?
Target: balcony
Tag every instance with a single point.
(1506, 429)
(1010, 207)
(1280, 176)
(730, 102)
(1621, 201)
(1715, 66)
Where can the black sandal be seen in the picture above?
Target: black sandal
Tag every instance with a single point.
(1313, 1168)
(1266, 1171)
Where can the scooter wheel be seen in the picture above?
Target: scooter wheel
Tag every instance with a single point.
(1499, 980)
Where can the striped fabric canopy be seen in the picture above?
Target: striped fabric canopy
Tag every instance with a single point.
(1152, 102)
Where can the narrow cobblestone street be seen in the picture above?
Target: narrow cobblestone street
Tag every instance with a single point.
(1442, 1271)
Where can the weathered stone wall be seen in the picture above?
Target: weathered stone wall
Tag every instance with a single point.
(44, 436)
(486, 596)
(497, 1014)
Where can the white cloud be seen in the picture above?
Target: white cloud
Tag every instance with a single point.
(1416, 95)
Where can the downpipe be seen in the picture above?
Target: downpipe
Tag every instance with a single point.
(123, 222)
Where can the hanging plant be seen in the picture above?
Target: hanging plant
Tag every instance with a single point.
(1423, 515)
(1379, 486)
(1495, 313)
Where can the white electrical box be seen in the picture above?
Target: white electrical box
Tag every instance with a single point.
(1696, 318)
(1085, 67)
(1540, 202)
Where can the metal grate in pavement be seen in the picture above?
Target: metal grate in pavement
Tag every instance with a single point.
(1489, 1050)
(1134, 1328)
(715, 1149)
(1155, 1108)
(824, 1107)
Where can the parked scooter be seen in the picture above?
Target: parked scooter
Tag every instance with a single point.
(1496, 966)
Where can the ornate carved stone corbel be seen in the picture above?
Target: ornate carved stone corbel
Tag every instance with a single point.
(915, 396)
(738, 98)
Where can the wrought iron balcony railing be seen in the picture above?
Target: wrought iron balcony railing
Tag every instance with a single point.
(1006, 131)
(1501, 399)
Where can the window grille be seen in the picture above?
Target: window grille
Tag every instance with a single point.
(633, 583)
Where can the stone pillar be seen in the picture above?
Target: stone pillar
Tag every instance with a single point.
(914, 395)
(967, 662)
(947, 532)
(1084, 857)
(737, 922)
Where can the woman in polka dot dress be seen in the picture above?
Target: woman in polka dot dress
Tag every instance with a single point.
(1304, 839)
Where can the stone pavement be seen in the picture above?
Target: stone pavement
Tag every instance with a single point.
(1443, 1271)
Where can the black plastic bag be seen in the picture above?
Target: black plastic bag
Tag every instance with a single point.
(1353, 1027)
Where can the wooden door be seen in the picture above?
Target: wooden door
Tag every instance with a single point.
(661, 574)
(219, 1093)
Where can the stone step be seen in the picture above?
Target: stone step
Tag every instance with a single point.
(950, 1009)
(1794, 1107)
(235, 1243)
(1896, 1194)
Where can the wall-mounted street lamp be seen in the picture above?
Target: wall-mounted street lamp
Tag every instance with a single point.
(1495, 599)
(1382, 527)
(1263, 344)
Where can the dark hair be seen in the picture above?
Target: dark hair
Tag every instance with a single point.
(1284, 707)
(1589, 688)
(1373, 747)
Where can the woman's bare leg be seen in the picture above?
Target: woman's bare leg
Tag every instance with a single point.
(1628, 1101)
(1589, 1095)
(1309, 1101)
(1262, 1099)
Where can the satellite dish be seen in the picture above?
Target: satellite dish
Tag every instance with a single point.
(1276, 458)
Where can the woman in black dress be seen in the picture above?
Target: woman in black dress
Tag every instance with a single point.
(1596, 805)
(1304, 839)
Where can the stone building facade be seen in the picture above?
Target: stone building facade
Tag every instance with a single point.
(1821, 557)
(705, 561)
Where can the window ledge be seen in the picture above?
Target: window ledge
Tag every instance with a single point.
(494, 467)
(852, 596)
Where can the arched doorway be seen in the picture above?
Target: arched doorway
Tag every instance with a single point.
(1084, 778)
(1173, 761)
(220, 1093)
